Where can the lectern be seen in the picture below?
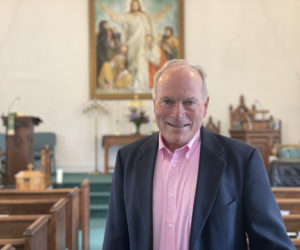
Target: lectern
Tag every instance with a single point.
(19, 147)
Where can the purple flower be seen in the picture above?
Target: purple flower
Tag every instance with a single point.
(138, 117)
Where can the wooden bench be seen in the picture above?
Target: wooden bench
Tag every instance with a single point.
(18, 244)
(7, 247)
(292, 205)
(296, 242)
(23, 233)
(55, 209)
(291, 221)
(78, 213)
(85, 213)
(292, 224)
(286, 192)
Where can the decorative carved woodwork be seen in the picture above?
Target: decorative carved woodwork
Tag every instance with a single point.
(261, 133)
(211, 126)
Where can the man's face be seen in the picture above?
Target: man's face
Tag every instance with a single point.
(168, 32)
(135, 5)
(178, 105)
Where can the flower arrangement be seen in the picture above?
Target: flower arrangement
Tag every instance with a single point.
(138, 118)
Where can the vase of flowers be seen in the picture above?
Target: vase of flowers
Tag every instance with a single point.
(138, 118)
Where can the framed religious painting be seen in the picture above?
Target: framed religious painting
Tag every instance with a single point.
(129, 41)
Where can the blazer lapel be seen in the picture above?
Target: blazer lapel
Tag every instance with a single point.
(144, 172)
(210, 171)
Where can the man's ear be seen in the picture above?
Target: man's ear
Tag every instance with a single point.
(205, 107)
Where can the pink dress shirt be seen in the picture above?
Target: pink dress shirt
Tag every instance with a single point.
(174, 186)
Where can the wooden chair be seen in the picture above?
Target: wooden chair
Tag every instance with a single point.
(56, 209)
(24, 234)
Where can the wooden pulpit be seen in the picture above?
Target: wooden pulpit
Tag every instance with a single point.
(19, 146)
(261, 133)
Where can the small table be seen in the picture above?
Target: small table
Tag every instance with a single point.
(111, 140)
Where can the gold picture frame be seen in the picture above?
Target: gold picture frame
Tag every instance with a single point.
(129, 41)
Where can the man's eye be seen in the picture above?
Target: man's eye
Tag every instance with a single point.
(167, 102)
(189, 103)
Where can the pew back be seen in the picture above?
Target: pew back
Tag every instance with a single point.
(34, 237)
(78, 213)
(18, 244)
(85, 213)
(286, 192)
(73, 204)
(296, 242)
(292, 222)
(7, 247)
(292, 205)
(55, 209)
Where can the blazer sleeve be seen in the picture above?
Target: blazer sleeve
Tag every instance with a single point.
(264, 224)
(116, 231)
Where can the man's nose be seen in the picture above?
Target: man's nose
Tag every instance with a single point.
(178, 110)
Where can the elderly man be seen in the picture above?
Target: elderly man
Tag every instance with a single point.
(186, 188)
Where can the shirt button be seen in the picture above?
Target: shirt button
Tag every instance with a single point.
(172, 194)
(174, 165)
(170, 225)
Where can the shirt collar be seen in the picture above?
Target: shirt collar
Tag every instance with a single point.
(187, 148)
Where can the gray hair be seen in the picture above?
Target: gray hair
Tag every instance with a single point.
(185, 64)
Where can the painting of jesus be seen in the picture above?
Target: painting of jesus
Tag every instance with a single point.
(130, 41)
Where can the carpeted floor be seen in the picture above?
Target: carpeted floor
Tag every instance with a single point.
(97, 233)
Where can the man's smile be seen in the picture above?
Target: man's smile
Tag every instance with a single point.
(176, 125)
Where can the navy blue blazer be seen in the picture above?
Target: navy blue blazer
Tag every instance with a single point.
(232, 198)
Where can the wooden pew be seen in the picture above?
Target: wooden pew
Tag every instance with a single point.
(292, 205)
(292, 224)
(18, 244)
(7, 247)
(296, 242)
(55, 209)
(78, 213)
(286, 192)
(72, 212)
(23, 233)
(291, 221)
(85, 213)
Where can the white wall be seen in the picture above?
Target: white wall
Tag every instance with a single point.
(246, 47)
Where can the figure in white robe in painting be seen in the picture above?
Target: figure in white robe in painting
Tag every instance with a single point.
(136, 24)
